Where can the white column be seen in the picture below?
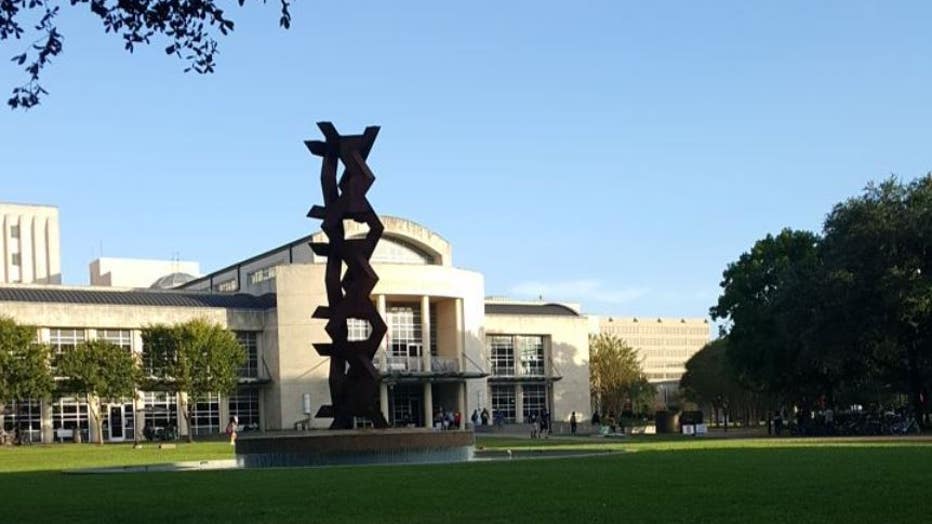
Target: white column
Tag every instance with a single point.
(383, 344)
(27, 260)
(53, 253)
(7, 247)
(460, 334)
(383, 400)
(425, 332)
(428, 405)
(519, 404)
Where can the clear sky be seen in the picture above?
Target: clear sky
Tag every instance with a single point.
(616, 154)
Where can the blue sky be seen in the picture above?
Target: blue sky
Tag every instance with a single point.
(609, 153)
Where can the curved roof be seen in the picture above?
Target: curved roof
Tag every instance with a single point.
(407, 233)
(504, 308)
(172, 280)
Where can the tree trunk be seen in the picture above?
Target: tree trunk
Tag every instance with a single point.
(187, 418)
(96, 415)
(915, 384)
(2, 416)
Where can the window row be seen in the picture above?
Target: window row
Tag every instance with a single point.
(158, 409)
(65, 339)
(535, 401)
(527, 351)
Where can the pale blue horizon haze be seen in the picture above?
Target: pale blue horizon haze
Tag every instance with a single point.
(614, 154)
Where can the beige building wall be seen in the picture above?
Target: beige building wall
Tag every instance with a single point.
(136, 272)
(566, 352)
(299, 370)
(664, 344)
(29, 244)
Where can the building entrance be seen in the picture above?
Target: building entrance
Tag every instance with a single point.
(406, 405)
(119, 422)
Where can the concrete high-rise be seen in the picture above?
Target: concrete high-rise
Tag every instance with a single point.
(31, 249)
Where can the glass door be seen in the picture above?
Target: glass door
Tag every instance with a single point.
(117, 416)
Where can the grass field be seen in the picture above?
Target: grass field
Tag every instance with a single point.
(652, 480)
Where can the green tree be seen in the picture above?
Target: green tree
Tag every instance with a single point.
(24, 365)
(711, 380)
(877, 250)
(99, 370)
(768, 302)
(615, 376)
(193, 359)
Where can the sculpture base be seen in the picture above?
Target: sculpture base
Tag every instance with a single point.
(354, 447)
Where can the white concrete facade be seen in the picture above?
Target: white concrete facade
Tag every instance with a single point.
(137, 272)
(29, 244)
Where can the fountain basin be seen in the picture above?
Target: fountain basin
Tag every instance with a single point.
(354, 447)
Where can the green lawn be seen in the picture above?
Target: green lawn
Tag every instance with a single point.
(653, 480)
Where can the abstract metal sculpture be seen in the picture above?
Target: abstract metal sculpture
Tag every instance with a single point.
(354, 381)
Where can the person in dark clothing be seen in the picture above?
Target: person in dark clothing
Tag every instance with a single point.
(573, 423)
(485, 417)
(596, 419)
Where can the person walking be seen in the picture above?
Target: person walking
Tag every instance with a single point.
(485, 417)
(231, 431)
(573, 423)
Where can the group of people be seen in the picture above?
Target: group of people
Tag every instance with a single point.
(446, 420)
(540, 424)
(478, 417)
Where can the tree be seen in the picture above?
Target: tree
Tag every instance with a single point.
(768, 301)
(615, 376)
(877, 249)
(196, 358)
(190, 28)
(711, 380)
(99, 370)
(24, 365)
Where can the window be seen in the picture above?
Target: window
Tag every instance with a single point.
(25, 416)
(17, 259)
(535, 400)
(226, 286)
(161, 409)
(70, 415)
(502, 355)
(261, 275)
(14, 231)
(405, 405)
(118, 337)
(244, 405)
(503, 403)
(396, 252)
(248, 339)
(357, 329)
(532, 355)
(205, 415)
(404, 331)
(63, 339)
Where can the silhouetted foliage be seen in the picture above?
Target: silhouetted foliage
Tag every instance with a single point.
(841, 318)
(189, 26)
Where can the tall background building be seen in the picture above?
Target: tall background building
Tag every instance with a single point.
(31, 248)
(663, 345)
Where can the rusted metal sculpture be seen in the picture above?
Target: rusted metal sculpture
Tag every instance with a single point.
(354, 381)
